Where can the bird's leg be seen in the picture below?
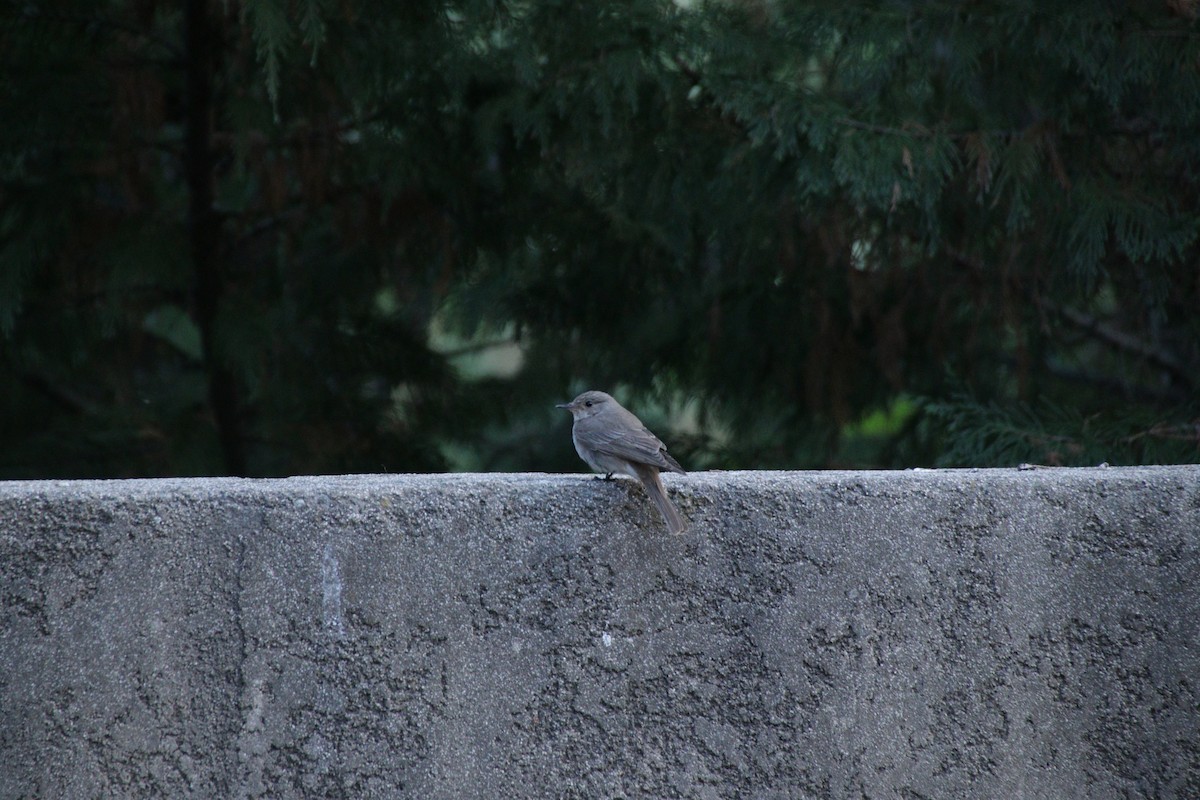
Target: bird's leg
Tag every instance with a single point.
(607, 477)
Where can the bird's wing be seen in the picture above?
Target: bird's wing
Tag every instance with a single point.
(638, 445)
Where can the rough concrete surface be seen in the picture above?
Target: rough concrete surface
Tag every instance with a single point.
(924, 634)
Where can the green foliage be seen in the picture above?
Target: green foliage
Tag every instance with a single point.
(767, 225)
(1052, 435)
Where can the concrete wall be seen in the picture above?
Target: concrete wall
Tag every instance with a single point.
(960, 634)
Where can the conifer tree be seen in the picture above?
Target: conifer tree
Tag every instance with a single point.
(270, 237)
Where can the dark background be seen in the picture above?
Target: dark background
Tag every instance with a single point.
(272, 237)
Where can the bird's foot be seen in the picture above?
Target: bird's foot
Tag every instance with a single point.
(607, 477)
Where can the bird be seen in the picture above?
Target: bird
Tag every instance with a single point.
(611, 439)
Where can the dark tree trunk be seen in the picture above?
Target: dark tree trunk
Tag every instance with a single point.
(205, 231)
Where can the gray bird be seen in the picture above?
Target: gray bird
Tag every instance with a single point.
(611, 439)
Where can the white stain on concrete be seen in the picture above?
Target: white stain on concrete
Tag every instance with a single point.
(331, 591)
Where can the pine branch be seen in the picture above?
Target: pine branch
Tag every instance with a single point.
(62, 395)
(1112, 385)
(1100, 330)
(1130, 344)
(1182, 432)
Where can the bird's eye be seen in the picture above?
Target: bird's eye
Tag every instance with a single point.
(588, 404)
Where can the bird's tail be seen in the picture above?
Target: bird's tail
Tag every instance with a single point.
(654, 487)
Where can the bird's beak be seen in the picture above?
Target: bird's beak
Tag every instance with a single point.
(563, 405)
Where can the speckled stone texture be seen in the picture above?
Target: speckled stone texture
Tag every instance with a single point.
(924, 634)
